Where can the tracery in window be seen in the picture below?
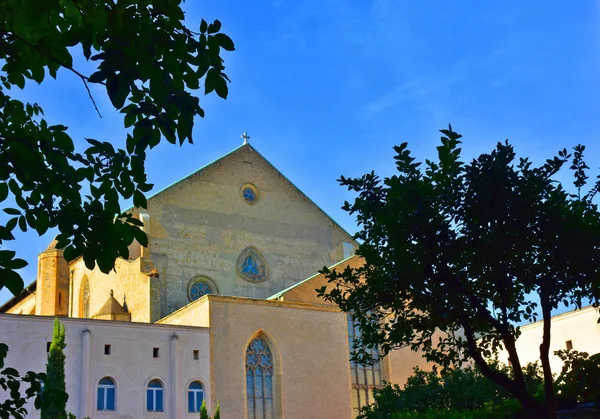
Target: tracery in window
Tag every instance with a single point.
(252, 266)
(249, 193)
(199, 287)
(259, 380)
(364, 377)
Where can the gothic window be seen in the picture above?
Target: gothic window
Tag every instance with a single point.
(154, 396)
(199, 287)
(84, 298)
(259, 380)
(364, 377)
(252, 266)
(249, 193)
(195, 396)
(106, 394)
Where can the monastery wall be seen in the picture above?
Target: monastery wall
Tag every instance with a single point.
(579, 327)
(131, 362)
(310, 350)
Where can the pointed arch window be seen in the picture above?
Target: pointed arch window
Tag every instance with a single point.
(259, 380)
(106, 394)
(252, 266)
(365, 378)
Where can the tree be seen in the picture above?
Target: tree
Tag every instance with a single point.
(149, 62)
(203, 410)
(13, 406)
(54, 385)
(454, 254)
(218, 411)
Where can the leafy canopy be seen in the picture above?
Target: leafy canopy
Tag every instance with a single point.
(18, 389)
(149, 62)
(453, 253)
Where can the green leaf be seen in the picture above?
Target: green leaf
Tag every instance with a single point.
(118, 90)
(12, 281)
(12, 223)
(203, 26)
(214, 27)
(139, 200)
(225, 42)
(140, 236)
(3, 191)
(12, 211)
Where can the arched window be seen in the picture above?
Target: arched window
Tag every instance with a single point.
(259, 380)
(251, 265)
(154, 396)
(106, 394)
(200, 286)
(364, 377)
(195, 396)
(84, 298)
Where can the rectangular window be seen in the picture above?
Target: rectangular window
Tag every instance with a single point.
(155, 352)
(149, 400)
(101, 396)
(106, 349)
(569, 345)
(59, 299)
(196, 354)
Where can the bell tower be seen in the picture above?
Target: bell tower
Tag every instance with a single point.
(52, 293)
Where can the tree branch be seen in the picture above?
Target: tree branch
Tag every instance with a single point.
(83, 78)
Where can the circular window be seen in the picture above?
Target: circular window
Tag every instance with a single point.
(249, 193)
(199, 288)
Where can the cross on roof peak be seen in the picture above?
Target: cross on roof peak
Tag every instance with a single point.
(246, 137)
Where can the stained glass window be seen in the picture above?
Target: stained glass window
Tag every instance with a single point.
(249, 193)
(259, 380)
(154, 396)
(106, 394)
(364, 377)
(195, 396)
(199, 289)
(252, 266)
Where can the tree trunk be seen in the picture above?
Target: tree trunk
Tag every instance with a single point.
(550, 402)
(517, 388)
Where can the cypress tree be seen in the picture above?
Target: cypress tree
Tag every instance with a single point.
(218, 411)
(54, 405)
(203, 410)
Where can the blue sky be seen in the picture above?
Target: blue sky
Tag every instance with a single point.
(327, 87)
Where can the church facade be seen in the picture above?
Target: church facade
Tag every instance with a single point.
(221, 306)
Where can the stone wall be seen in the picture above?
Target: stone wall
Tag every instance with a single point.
(128, 279)
(200, 225)
(309, 346)
(131, 363)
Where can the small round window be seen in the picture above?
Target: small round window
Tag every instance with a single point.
(249, 193)
(199, 288)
